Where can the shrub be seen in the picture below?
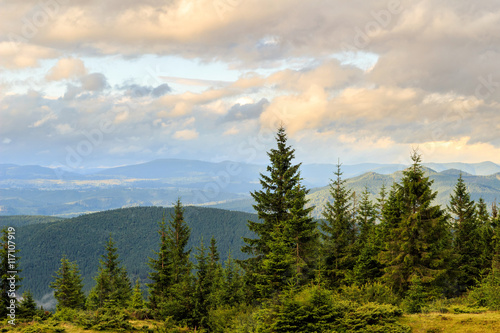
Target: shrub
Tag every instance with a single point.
(487, 294)
(373, 317)
(370, 292)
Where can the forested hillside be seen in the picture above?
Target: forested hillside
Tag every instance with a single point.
(135, 233)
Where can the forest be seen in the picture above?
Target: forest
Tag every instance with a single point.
(361, 267)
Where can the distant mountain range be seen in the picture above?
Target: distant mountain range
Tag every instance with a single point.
(37, 190)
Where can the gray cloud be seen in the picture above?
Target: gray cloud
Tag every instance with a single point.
(239, 112)
(137, 91)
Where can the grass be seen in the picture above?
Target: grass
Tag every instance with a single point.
(486, 322)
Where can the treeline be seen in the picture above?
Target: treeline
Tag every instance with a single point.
(358, 268)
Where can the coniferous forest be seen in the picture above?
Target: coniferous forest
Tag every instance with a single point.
(361, 267)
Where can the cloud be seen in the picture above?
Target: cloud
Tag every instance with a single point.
(94, 82)
(14, 56)
(66, 68)
(239, 112)
(137, 91)
(186, 134)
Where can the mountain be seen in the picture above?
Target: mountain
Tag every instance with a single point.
(487, 187)
(135, 232)
(25, 172)
(36, 190)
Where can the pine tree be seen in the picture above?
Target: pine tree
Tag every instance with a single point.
(137, 301)
(160, 274)
(368, 245)
(467, 238)
(339, 233)
(231, 292)
(9, 269)
(27, 307)
(417, 243)
(285, 227)
(112, 287)
(68, 286)
(171, 287)
(487, 232)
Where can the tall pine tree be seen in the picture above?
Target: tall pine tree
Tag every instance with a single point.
(417, 243)
(286, 236)
(467, 241)
(339, 234)
(171, 287)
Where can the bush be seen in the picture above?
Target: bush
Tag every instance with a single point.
(416, 298)
(370, 292)
(67, 314)
(487, 294)
(104, 319)
(373, 317)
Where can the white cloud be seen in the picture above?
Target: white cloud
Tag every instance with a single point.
(66, 68)
(186, 134)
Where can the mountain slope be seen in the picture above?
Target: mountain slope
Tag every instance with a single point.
(487, 187)
(135, 233)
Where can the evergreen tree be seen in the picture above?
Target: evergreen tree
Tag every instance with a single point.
(68, 286)
(9, 269)
(112, 287)
(171, 287)
(137, 301)
(417, 245)
(231, 292)
(27, 307)
(467, 238)
(286, 230)
(368, 245)
(487, 232)
(160, 274)
(339, 233)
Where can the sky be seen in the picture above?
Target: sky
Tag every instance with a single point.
(92, 83)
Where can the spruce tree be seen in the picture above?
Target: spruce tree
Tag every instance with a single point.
(417, 243)
(27, 306)
(9, 269)
(112, 287)
(68, 286)
(136, 300)
(487, 231)
(368, 244)
(285, 229)
(339, 233)
(171, 287)
(161, 266)
(467, 238)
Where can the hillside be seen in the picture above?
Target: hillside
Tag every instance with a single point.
(22, 220)
(487, 187)
(135, 232)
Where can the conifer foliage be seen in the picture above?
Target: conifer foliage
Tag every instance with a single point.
(286, 233)
(68, 286)
(418, 234)
(339, 233)
(112, 287)
(467, 238)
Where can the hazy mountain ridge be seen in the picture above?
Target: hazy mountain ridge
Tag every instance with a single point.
(35, 190)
